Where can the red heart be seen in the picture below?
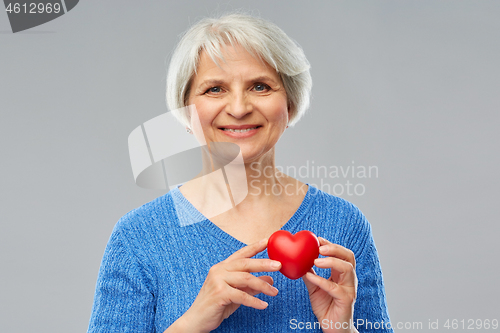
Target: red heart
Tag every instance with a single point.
(295, 252)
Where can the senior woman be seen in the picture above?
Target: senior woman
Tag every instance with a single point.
(248, 82)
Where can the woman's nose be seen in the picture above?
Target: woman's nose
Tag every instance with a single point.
(239, 106)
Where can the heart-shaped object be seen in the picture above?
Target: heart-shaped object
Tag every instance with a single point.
(295, 252)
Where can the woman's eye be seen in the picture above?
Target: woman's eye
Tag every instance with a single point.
(261, 87)
(214, 90)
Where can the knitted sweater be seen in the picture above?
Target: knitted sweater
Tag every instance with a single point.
(155, 264)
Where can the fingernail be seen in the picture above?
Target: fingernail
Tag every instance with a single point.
(323, 248)
(265, 303)
(319, 261)
(275, 264)
(263, 241)
(275, 289)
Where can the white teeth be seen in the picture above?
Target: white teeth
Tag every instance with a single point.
(238, 131)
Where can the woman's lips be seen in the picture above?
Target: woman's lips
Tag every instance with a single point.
(241, 135)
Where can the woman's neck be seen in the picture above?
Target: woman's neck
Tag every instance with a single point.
(259, 177)
(229, 183)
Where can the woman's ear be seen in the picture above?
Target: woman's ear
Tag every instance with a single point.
(289, 106)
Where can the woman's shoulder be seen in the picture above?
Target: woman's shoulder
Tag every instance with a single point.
(323, 200)
(337, 205)
(341, 219)
(159, 211)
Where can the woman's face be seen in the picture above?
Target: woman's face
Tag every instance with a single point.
(242, 93)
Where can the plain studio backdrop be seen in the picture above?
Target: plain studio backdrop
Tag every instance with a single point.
(410, 88)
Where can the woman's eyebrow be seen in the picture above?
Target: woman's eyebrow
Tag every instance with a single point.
(211, 82)
(264, 78)
(216, 82)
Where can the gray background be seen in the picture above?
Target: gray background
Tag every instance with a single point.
(411, 87)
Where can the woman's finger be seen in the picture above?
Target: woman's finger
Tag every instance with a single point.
(311, 287)
(329, 249)
(265, 278)
(253, 265)
(243, 298)
(331, 288)
(241, 280)
(342, 271)
(249, 250)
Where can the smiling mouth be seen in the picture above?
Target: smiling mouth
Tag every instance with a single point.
(239, 130)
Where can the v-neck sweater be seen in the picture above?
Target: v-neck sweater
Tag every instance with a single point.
(159, 255)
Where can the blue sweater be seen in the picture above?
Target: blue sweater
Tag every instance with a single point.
(156, 262)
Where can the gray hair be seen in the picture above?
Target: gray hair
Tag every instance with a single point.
(260, 38)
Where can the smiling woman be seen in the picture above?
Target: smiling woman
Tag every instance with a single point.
(248, 82)
(241, 101)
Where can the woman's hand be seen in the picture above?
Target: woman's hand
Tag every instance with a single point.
(228, 285)
(333, 300)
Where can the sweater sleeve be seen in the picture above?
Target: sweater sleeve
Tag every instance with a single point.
(370, 309)
(124, 299)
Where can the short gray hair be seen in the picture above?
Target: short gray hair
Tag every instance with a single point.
(259, 37)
